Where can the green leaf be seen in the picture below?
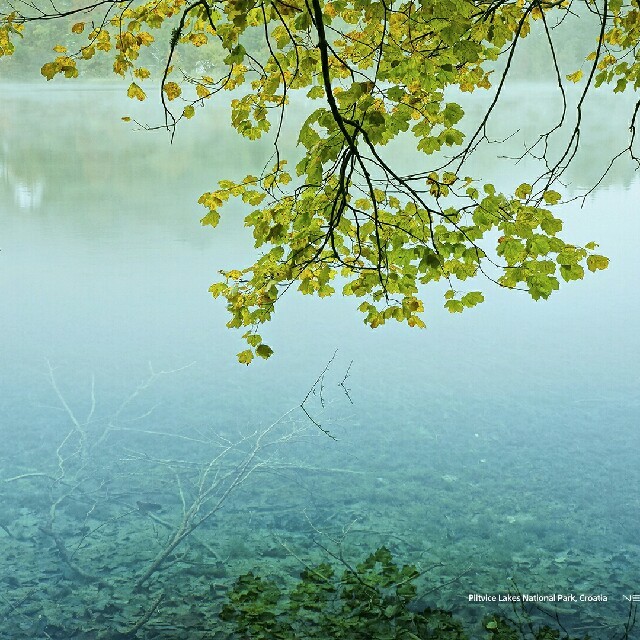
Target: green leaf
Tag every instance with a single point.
(551, 197)
(264, 351)
(454, 306)
(512, 250)
(595, 262)
(551, 225)
(452, 114)
(571, 272)
(376, 118)
(472, 298)
(523, 191)
(236, 55)
(253, 339)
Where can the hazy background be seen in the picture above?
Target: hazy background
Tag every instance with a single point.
(511, 416)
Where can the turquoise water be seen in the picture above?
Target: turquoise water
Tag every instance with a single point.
(498, 449)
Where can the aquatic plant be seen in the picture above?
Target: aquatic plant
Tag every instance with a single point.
(374, 599)
(369, 601)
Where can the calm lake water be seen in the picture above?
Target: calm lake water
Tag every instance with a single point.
(499, 447)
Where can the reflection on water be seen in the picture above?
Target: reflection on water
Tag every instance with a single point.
(25, 195)
(28, 196)
(495, 446)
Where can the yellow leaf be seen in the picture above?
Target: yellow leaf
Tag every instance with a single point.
(49, 70)
(212, 219)
(126, 118)
(210, 200)
(245, 357)
(141, 73)
(189, 111)
(78, 27)
(144, 38)
(575, 76)
(120, 65)
(70, 72)
(217, 289)
(198, 39)
(202, 91)
(60, 49)
(88, 52)
(172, 90)
(134, 91)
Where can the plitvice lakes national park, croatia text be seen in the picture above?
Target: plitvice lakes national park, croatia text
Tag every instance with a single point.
(319, 320)
(537, 597)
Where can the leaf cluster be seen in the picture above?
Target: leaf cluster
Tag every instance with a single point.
(372, 601)
(345, 219)
(375, 599)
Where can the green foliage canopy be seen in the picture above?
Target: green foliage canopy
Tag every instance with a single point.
(344, 217)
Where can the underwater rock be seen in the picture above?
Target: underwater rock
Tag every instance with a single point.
(148, 507)
(275, 552)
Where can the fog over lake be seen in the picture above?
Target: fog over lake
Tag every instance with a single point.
(498, 445)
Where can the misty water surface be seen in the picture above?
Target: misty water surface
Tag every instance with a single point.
(497, 441)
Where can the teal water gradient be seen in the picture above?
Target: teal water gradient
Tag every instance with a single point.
(499, 445)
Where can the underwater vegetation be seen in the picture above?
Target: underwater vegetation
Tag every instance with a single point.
(123, 522)
(374, 599)
(115, 524)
